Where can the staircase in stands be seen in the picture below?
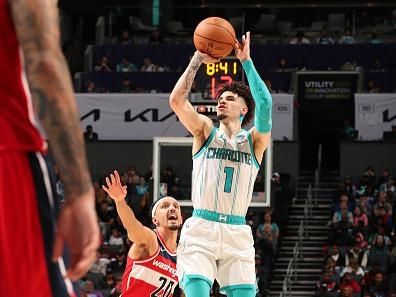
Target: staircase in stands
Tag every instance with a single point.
(309, 265)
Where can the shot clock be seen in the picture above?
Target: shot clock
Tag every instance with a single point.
(211, 76)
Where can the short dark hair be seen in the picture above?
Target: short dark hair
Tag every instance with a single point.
(242, 90)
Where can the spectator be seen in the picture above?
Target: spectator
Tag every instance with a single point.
(388, 187)
(89, 289)
(131, 172)
(369, 174)
(283, 66)
(373, 87)
(365, 205)
(148, 66)
(125, 37)
(156, 37)
(104, 65)
(126, 66)
(169, 177)
(344, 199)
(89, 134)
(343, 211)
(348, 132)
(374, 39)
(347, 38)
(115, 238)
(383, 210)
(127, 86)
(262, 278)
(136, 201)
(358, 254)
(108, 281)
(384, 178)
(324, 38)
(360, 220)
(378, 287)
(276, 179)
(300, 39)
(117, 290)
(330, 267)
(118, 265)
(106, 217)
(337, 257)
(142, 187)
(91, 87)
(326, 286)
(348, 281)
(175, 192)
(100, 265)
(349, 187)
(354, 269)
(260, 232)
(347, 291)
(379, 253)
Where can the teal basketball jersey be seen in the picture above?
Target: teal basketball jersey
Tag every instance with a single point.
(224, 172)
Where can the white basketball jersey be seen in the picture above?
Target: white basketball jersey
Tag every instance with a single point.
(224, 172)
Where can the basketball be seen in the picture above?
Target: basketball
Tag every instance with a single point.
(215, 37)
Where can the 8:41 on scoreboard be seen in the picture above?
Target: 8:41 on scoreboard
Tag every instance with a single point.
(212, 76)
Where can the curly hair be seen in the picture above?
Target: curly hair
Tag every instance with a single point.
(242, 90)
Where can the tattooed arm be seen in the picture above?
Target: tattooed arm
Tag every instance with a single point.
(198, 125)
(37, 27)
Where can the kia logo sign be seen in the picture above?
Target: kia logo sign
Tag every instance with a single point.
(282, 108)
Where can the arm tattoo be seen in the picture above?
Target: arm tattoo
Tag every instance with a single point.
(191, 71)
(37, 26)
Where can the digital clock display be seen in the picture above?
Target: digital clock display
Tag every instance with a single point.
(212, 76)
(223, 67)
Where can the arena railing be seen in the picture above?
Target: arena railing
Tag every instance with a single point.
(307, 209)
(291, 272)
(317, 173)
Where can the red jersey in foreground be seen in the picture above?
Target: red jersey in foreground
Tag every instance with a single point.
(17, 123)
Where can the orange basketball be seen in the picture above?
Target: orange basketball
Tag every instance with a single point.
(214, 36)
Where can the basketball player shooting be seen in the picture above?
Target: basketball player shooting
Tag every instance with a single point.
(216, 243)
(151, 264)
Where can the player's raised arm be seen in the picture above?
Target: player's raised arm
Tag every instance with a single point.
(137, 233)
(37, 28)
(192, 120)
(261, 132)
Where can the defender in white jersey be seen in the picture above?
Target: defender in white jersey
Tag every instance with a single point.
(216, 243)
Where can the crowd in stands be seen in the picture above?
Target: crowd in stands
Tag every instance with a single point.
(105, 276)
(360, 256)
(122, 65)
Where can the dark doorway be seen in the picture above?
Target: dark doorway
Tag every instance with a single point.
(325, 100)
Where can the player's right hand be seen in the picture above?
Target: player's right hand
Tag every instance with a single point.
(207, 59)
(114, 188)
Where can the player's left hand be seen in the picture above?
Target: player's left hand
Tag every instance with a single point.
(78, 228)
(242, 50)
